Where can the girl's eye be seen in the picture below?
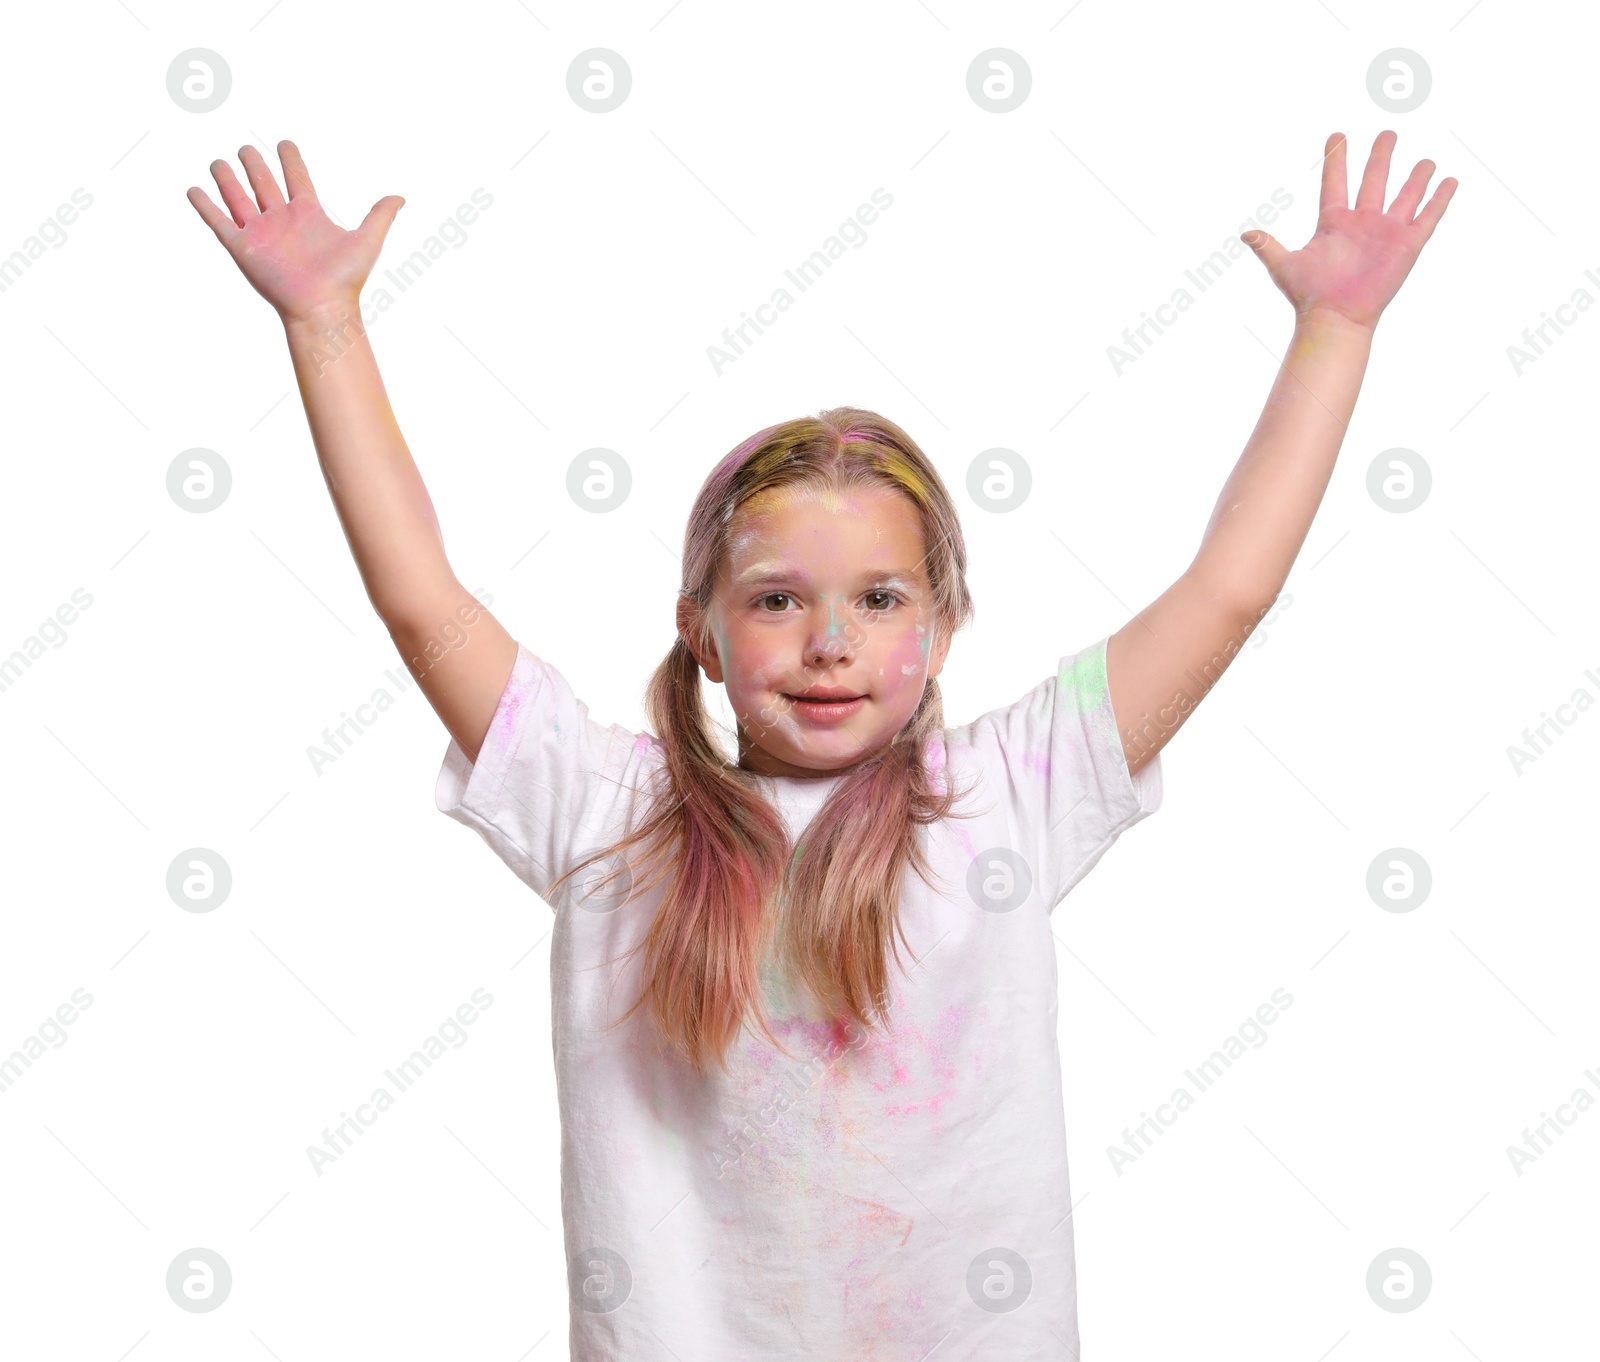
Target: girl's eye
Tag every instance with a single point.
(888, 597)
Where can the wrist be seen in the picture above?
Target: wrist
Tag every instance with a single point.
(1324, 322)
(318, 319)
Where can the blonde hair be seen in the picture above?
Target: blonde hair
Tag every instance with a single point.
(731, 857)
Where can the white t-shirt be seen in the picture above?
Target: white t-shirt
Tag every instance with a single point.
(877, 1197)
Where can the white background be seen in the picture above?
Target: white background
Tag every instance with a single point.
(1375, 710)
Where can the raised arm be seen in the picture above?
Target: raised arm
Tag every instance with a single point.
(311, 271)
(1162, 663)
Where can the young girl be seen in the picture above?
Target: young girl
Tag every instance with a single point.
(782, 1138)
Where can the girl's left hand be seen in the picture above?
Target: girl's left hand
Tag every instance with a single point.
(1358, 257)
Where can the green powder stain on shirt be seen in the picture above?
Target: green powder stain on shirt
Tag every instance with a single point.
(1085, 677)
(777, 989)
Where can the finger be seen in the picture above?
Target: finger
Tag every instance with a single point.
(380, 217)
(1405, 202)
(255, 165)
(1376, 179)
(1429, 217)
(1267, 247)
(295, 175)
(239, 203)
(1335, 192)
(214, 217)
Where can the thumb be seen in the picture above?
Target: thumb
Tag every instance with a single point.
(380, 218)
(1266, 247)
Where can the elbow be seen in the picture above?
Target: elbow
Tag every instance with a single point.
(1245, 602)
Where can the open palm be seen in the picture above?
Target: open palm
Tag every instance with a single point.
(1358, 257)
(291, 253)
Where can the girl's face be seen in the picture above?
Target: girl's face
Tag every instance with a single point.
(822, 589)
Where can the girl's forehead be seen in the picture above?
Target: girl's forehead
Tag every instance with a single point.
(783, 515)
(777, 503)
(811, 533)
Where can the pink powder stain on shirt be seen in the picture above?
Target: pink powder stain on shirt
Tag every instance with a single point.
(959, 830)
(784, 1103)
(918, 1069)
(510, 709)
(870, 1215)
(818, 1157)
(824, 1039)
(877, 1318)
(953, 1021)
(1035, 762)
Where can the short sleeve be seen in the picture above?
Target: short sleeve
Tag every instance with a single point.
(550, 786)
(1053, 764)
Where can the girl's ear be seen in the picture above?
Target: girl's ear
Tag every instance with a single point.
(688, 620)
(941, 650)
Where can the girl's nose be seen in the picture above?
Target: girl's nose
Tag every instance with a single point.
(829, 648)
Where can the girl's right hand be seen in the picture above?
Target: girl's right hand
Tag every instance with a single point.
(293, 256)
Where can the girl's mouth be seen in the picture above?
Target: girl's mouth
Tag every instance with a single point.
(827, 711)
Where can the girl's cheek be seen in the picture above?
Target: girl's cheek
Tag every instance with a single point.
(762, 676)
(909, 658)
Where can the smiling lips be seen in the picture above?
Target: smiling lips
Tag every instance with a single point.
(816, 706)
